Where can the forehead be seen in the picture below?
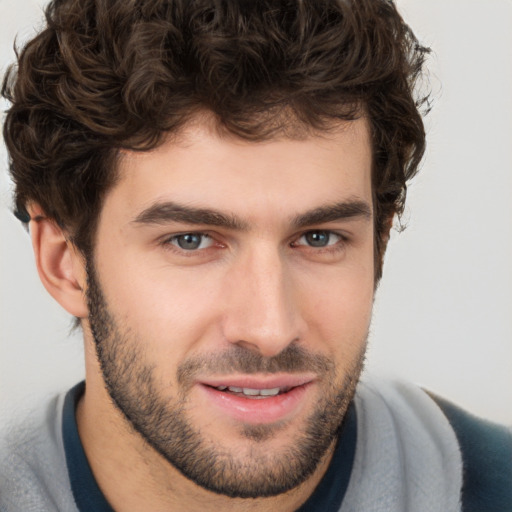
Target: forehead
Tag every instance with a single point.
(202, 168)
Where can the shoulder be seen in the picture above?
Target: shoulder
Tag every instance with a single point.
(407, 455)
(436, 441)
(486, 449)
(442, 433)
(33, 473)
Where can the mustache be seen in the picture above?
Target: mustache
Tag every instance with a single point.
(293, 359)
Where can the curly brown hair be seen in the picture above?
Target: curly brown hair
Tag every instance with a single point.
(106, 75)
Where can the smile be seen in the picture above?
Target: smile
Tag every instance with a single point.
(256, 400)
(253, 392)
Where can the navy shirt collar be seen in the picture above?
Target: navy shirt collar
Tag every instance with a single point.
(86, 492)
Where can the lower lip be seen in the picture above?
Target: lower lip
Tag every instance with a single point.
(258, 410)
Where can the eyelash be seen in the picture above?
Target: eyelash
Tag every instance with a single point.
(333, 248)
(168, 242)
(330, 247)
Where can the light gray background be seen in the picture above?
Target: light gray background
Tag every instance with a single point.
(443, 312)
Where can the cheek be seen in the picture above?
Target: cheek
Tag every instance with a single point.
(169, 311)
(339, 310)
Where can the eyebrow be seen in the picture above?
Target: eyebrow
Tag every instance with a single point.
(166, 212)
(344, 210)
(163, 213)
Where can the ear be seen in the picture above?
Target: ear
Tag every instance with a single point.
(386, 234)
(383, 241)
(60, 266)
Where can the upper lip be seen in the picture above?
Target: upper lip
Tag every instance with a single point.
(259, 382)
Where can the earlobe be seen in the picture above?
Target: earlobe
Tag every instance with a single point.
(383, 241)
(60, 267)
(387, 229)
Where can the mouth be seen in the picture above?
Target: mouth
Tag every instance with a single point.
(254, 393)
(258, 400)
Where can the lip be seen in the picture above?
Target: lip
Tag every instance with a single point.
(259, 382)
(266, 410)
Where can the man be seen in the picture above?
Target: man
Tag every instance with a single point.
(209, 188)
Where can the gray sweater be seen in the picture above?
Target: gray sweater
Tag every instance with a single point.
(407, 457)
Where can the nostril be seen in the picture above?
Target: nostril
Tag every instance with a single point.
(253, 347)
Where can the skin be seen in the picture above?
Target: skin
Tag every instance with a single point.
(255, 285)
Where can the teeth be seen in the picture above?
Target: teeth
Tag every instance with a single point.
(251, 391)
(269, 392)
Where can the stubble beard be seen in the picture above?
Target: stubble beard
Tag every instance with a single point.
(163, 423)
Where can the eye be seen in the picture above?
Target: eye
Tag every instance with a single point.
(191, 241)
(319, 238)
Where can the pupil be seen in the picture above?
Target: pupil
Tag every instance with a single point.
(317, 238)
(189, 241)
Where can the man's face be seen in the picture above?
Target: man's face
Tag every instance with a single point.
(230, 296)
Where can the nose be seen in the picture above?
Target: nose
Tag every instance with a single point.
(262, 305)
